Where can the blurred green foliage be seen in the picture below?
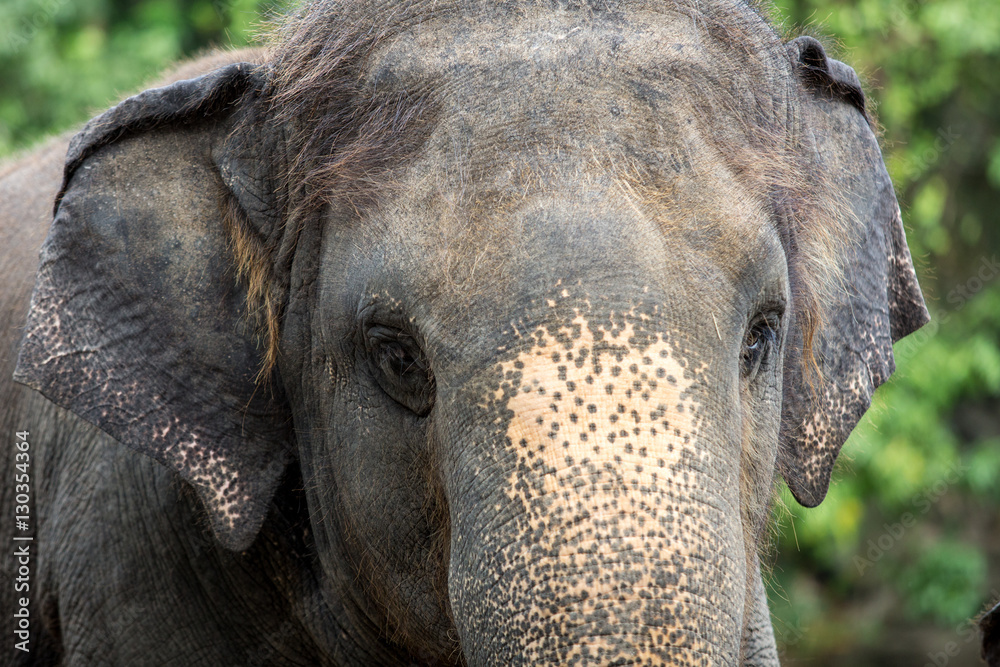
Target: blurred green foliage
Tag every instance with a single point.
(906, 547)
(62, 61)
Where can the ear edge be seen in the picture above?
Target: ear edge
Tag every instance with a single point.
(177, 102)
(810, 484)
(907, 309)
(827, 76)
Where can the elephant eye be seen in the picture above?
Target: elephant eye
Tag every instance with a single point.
(401, 369)
(395, 359)
(758, 344)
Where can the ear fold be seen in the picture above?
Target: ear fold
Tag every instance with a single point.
(880, 301)
(138, 322)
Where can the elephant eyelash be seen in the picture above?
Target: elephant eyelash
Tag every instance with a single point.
(394, 351)
(758, 344)
(397, 359)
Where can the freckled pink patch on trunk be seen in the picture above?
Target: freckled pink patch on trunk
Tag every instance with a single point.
(574, 404)
(620, 562)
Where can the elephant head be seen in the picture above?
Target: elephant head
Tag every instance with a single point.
(536, 298)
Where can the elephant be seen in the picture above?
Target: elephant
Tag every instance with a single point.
(453, 333)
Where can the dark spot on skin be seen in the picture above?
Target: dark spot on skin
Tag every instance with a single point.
(583, 512)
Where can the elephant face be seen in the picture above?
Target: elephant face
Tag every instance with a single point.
(536, 299)
(626, 388)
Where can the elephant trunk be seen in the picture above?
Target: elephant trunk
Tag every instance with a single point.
(613, 533)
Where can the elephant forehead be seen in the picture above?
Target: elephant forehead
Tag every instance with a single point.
(617, 73)
(563, 40)
(560, 80)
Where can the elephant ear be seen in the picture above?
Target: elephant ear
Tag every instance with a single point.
(138, 321)
(879, 300)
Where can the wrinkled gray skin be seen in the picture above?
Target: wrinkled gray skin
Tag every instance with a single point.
(539, 330)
